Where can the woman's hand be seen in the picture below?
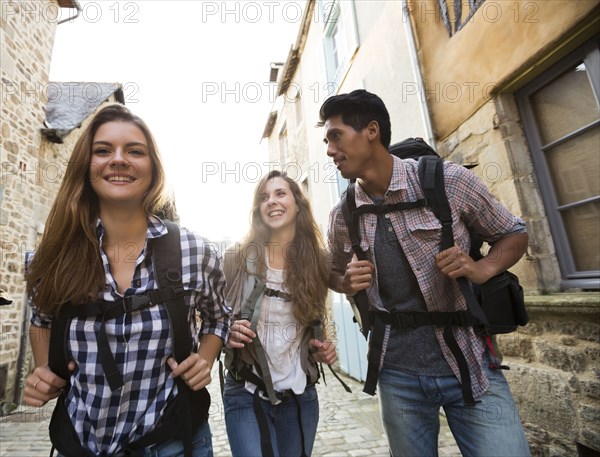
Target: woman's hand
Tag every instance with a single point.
(194, 370)
(240, 334)
(325, 351)
(43, 385)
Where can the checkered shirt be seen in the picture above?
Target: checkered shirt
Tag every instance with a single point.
(141, 343)
(419, 234)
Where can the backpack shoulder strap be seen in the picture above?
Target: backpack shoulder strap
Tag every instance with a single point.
(351, 219)
(166, 258)
(251, 311)
(431, 176)
(360, 301)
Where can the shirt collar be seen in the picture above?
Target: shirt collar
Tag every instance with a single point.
(398, 182)
(156, 228)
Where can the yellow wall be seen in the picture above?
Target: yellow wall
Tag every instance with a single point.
(501, 40)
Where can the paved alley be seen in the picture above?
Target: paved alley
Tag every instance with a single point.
(349, 426)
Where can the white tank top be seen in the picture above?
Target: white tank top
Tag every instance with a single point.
(280, 335)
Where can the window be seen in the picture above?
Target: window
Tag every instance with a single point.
(456, 14)
(340, 39)
(561, 116)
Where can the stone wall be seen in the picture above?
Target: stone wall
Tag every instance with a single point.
(493, 139)
(27, 37)
(554, 360)
(555, 372)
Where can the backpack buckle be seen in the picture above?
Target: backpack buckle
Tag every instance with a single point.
(135, 302)
(405, 320)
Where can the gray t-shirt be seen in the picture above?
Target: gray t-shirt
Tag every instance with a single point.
(411, 350)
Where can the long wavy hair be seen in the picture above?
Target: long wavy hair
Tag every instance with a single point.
(306, 270)
(67, 266)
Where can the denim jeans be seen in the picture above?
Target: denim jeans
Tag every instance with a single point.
(410, 413)
(201, 446)
(242, 426)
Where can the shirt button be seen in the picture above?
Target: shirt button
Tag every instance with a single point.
(137, 283)
(390, 229)
(387, 216)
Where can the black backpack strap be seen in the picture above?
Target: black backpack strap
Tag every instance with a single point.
(361, 299)
(431, 175)
(317, 328)
(57, 354)
(166, 258)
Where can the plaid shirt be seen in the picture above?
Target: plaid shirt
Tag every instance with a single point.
(141, 343)
(419, 234)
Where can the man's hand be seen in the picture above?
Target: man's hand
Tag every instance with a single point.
(455, 263)
(358, 276)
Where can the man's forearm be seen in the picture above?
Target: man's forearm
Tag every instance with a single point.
(504, 254)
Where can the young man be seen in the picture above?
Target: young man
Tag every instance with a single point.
(405, 273)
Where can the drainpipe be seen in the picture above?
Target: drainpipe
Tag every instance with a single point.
(77, 6)
(21, 371)
(414, 59)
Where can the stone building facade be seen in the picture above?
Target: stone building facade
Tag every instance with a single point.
(513, 87)
(26, 48)
(33, 159)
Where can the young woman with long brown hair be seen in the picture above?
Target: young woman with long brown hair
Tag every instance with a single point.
(96, 282)
(277, 285)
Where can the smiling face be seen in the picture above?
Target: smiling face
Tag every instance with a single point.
(278, 207)
(349, 149)
(120, 166)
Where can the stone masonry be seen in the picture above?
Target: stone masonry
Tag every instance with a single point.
(554, 360)
(26, 37)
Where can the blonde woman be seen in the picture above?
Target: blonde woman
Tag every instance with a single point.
(277, 285)
(119, 347)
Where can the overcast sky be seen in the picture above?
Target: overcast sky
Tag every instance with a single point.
(197, 72)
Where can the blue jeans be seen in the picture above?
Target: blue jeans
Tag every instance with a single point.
(282, 419)
(410, 407)
(201, 445)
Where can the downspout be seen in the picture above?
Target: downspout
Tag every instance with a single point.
(21, 371)
(77, 6)
(414, 59)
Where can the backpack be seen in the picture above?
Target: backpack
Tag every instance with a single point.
(253, 292)
(495, 294)
(189, 409)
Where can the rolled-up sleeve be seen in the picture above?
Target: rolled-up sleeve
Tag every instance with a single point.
(210, 300)
(337, 239)
(479, 207)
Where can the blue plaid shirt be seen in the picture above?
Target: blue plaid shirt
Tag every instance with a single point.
(141, 342)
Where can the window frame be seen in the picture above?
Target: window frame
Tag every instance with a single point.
(589, 54)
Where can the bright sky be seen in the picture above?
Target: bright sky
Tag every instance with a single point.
(197, 72)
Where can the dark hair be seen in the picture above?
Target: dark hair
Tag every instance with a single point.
(357, 109)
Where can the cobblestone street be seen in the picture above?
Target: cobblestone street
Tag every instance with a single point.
(349, 426)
